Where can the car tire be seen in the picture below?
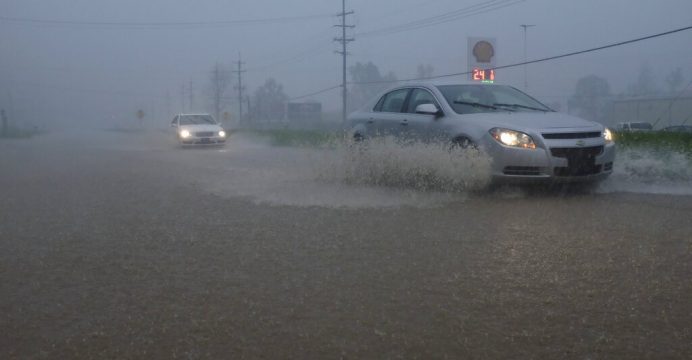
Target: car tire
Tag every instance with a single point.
(463, 143)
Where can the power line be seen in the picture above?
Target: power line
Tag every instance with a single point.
(580, 52)
(462, 13)
(162, 24)
(315, 93)
(299, 57)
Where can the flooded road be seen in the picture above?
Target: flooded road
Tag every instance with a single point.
(124, 246)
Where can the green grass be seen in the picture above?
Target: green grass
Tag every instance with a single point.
(15, 133)
(290, 137)
(657, 141)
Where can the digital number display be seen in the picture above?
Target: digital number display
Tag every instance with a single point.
(483, 75)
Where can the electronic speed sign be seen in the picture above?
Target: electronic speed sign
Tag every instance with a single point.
(482, 54)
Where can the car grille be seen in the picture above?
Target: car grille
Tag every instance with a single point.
(572, 135)
(580, 161)
(522, 170)
(204, 134)
(577, 152)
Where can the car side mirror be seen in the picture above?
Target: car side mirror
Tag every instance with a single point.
(174, 125)
(428, 109)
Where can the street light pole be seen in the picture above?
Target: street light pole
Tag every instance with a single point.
(526, 76)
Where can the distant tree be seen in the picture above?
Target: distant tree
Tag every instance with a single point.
(360, 94)
(646, 83)
(591, 96)
(219, 81)
(424, 71)
(675, 80)
(269, 101)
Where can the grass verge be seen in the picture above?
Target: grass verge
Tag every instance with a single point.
(291, 137)
(657, 141)
(15, 133)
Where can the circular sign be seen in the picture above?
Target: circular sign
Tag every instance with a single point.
(483, 51)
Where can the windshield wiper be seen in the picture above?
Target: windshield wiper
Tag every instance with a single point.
(522, 107)
(476, 104)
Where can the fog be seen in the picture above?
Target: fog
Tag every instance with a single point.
(93, 68)
(445, 224)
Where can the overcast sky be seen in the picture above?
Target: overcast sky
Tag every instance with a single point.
(103, 72)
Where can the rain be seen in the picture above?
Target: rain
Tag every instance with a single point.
(345, 179)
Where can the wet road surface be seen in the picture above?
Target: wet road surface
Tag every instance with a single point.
(123, 246)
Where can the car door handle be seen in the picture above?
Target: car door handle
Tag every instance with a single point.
(404, 122)
(371, 121)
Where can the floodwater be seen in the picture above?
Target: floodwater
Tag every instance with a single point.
(120, 245)
(385, 174)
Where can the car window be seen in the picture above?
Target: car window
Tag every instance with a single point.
(394, 101)
(197, 120)
(175, 120)
(420, 97)
(468, 99)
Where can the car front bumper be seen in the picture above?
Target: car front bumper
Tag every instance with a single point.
(203, 141)
(555, 161)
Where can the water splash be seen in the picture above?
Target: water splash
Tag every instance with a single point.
(644, 170)
(389, 162)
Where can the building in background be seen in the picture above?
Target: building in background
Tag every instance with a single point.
(661, 111)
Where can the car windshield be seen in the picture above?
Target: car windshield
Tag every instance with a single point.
(469, 99)
(197, 120)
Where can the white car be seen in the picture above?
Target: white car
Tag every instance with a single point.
(635, 127)
(525, 139)
(198, 129)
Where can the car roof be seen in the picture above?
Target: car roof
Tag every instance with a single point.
(195, 114)
(444, 82)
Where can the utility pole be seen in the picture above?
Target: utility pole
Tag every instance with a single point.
(192, 96)
(182, 98)
(11, 109)
(168, 103)
(240, 87)
(344, 42)
(526, 75)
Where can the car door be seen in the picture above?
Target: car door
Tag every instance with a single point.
(420, 127)
(389, 116)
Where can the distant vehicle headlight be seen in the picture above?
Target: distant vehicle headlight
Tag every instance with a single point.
(184, 134)
(222, 133)
(513, 138)
(608, 136)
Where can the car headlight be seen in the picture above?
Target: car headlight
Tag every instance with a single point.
(184, 134)
(608, 136)
(513, 138)
(222, 133)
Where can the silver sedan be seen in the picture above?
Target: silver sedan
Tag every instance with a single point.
(525, 139)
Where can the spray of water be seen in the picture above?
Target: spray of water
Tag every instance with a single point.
(390, 162)
(644, 170)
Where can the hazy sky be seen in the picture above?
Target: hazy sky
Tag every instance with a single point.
(96, 73)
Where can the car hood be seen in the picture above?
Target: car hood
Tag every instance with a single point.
(531, 120)
(195, 128)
